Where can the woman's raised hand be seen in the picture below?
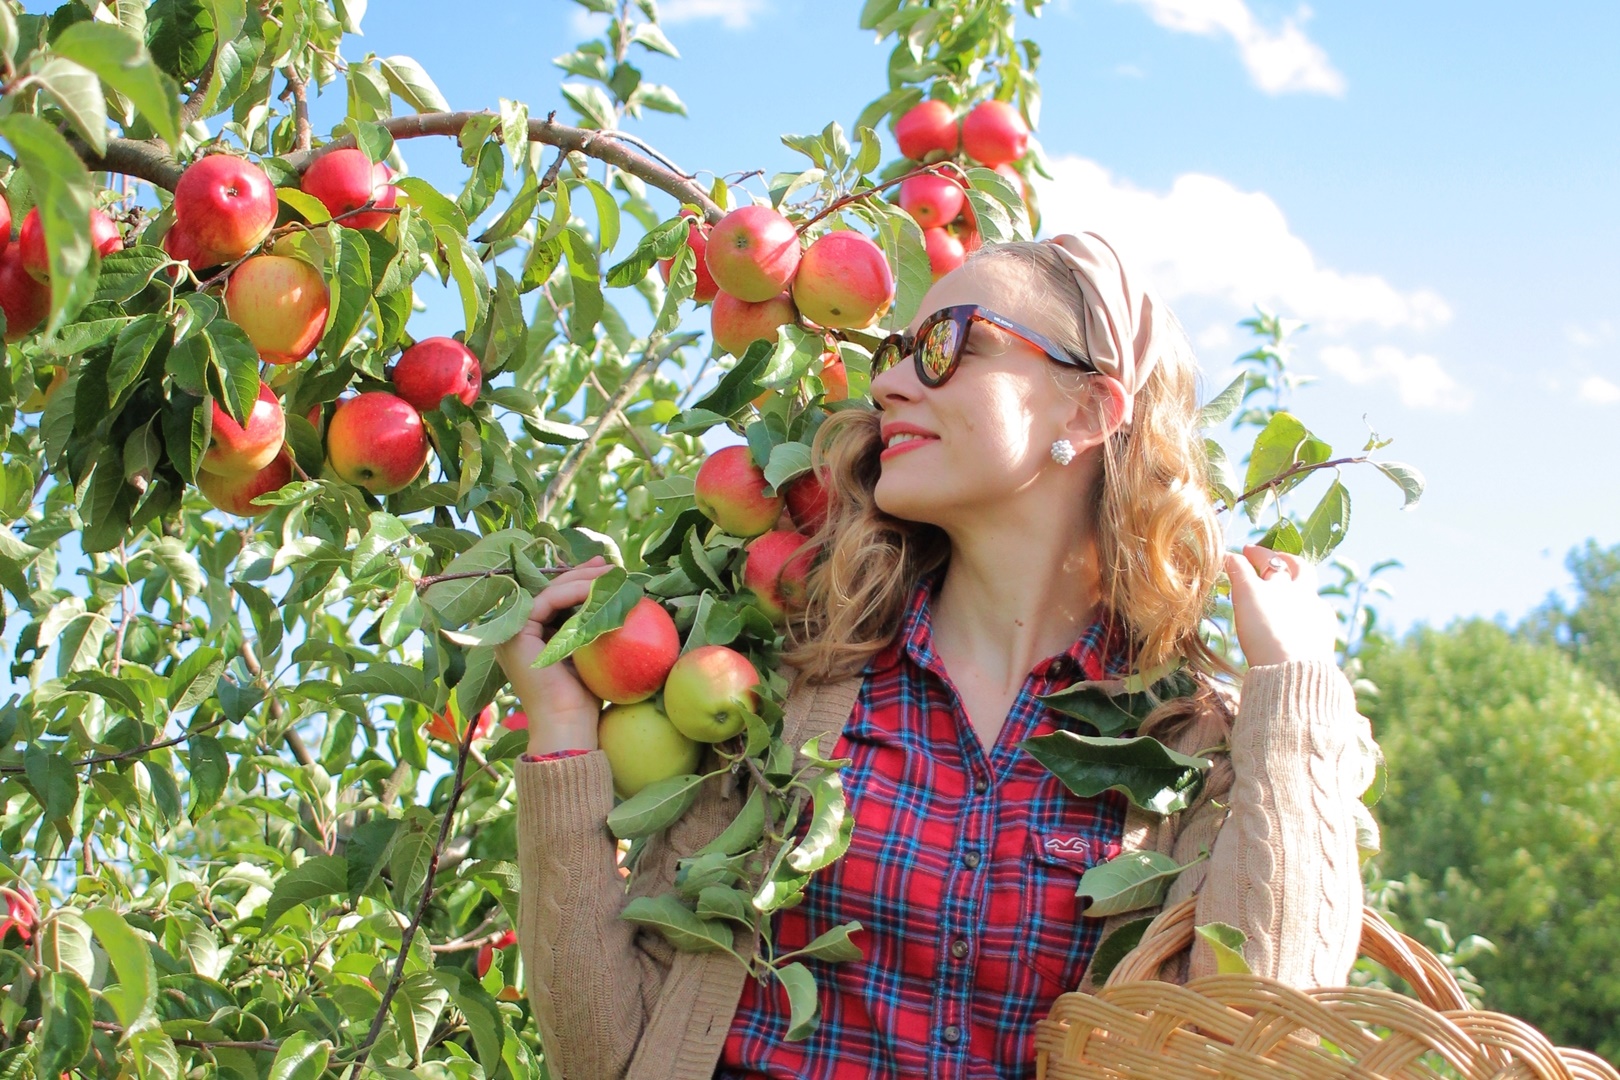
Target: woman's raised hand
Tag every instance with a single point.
(562, 712)
(1278, 614)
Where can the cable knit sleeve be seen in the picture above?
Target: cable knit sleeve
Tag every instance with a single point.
(1284, 866)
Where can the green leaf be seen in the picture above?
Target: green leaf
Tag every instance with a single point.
(195, 677)
(62, 189)
(302, 1056)
(834, 946)
(1408, 479)
(323, 875)
(235, 368)
(592, 103)
(348, 278)
(54, 780)
(1284, 536)
(1130, 882)
(1220, 407)
(417, 1007)
(654, 808)
(436, 209)
(135, 997)
(1328, 523)
(122, 62)
(77, 92)
(125, 273)
(666, 914)
(1226, 942)
(831, 827)
(1150, 774)
(803, 1006)
(481, 1013)
(661, 242)
(1115, 947)
(611, 598)
(207, 769)
(1281, 445)
(65, 1018)
(502, 622)
(902, 241)
(744, 831)
(1113, 714)
(468, 271)
(407, 79)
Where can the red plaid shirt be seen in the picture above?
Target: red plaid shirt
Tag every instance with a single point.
(962, 872)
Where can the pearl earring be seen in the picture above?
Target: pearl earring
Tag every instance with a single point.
(1063, 451)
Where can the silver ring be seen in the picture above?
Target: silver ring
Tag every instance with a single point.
(1275, 563)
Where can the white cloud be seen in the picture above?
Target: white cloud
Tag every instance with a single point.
(1597, 390)
(1206, 238)
(1418, 377)
(1214, 336)
(733, 14)
(1280, 61)
(1129, 71)
(1586, 337)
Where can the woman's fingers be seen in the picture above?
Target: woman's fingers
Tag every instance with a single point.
(568, 589)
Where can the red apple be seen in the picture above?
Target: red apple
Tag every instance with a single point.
(753, 253)
(345, 180)
(181, 246)
(994, 134)
(377, 441)
(104, 238)
(22, 912)
(807, 503)
(228, 205)
(834, 378)
(778, 564)
(945, 252)
(736, 324)
(643, 747)
(486, 951)
(237, 451)
(629, 664)
(925, 128)
(517, 720)
(730, 491)
(932, 200)
(25, 301)
(697, 238)
(844, 282)
(708, 692)
(235, 494)
(435, 367)
(443, 726)
(5, 223)
(281, 302)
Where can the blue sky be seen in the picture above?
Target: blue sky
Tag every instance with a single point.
(1432, 187)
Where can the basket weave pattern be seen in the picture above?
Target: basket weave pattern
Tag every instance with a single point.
(1244, 1027)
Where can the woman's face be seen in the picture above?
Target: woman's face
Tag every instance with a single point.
(986, 435)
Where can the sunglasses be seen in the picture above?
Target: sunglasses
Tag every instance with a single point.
(937, 346)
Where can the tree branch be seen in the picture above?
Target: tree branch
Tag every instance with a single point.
(125, 755)
(303, 134)
(191, 108)
(409, 934)
(295, 741)
(1288, 474)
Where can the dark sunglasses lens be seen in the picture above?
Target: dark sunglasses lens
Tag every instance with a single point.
(936, 352)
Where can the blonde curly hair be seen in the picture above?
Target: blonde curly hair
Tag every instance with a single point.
(1157, 535)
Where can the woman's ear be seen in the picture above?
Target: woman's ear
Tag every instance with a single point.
(1098, 412)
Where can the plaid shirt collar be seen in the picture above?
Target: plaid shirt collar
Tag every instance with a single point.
(1100, 652)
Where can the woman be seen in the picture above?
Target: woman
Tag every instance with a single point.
(1018, 514)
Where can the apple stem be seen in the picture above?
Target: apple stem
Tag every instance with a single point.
(936, 169)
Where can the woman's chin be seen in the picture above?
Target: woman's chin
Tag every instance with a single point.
(906, 499)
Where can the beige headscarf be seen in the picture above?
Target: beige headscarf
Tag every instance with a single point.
(1125, 322)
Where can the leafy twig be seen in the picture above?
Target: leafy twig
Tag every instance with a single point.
(125, 755)
(1290, 472)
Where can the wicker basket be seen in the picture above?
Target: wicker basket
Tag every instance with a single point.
(1243, 1027)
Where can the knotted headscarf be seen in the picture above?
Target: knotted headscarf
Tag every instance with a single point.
(1126, 325)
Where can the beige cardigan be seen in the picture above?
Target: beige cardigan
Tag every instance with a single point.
(613, 1001)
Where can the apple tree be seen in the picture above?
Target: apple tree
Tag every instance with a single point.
(263, 538)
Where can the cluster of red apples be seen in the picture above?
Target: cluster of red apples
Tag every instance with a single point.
(225, 209)
(664, 705)
(25, 273)
(753, 269)
(992, 134)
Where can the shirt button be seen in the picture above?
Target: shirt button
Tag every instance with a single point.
(981, 785)
(953, 1034)
(970, 860)
(959, 948)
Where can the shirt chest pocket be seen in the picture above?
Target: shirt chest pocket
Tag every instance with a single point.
(1056, 940)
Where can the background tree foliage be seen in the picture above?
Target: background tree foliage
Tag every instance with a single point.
(1503, 749)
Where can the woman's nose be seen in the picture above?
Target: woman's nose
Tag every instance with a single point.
(898, 384)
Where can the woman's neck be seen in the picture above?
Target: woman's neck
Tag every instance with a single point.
(1009, 601)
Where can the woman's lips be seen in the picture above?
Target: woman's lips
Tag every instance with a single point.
(909, 444)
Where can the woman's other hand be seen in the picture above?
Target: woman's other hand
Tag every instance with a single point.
(562, 712)
(1276, 609)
